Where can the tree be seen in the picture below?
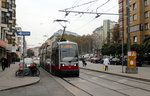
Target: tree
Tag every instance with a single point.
(85, 42)
(137, 48)
(30, 53)
(115, 33)
(113, 49)
(146, 45)
(105, 49)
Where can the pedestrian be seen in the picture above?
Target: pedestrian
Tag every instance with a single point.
(3, 62)
(83, 62)
(106, 62)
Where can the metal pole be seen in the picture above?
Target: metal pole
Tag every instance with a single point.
(122, 54)
(128, 33)
(128, 23)
(63, 32)
(143, 22)
(23, 53)
(122, 38)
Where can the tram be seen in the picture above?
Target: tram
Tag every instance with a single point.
(60, 58)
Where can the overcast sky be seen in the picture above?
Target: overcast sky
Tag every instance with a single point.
(37, 16)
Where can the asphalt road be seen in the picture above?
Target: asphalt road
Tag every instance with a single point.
(101, 84)
(46, 87)
(89, 83)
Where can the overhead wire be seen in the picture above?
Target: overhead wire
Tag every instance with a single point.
(87, 9)
(76, 2)
(97, 15)
(102, 5)
(81, 5)
(93, 2)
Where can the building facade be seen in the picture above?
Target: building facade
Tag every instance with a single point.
(138, 22)
(7, 29)
(98, 38)
(107, 26)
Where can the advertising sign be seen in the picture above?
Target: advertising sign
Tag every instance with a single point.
(131, 58)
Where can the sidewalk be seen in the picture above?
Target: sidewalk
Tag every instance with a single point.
(143, 72)
(8, 80)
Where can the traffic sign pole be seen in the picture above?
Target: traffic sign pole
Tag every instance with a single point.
(23, 33)
(23, 53)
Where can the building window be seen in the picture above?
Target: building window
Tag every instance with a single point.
(135, 39)
(134, 28)
(146, 36)
(134, 17)
(146, 3)
(131, 19)
(4, 19)
(134, 6)
(128, 1)
(146, 14)
(146, 26)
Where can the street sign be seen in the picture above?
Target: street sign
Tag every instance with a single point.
(23, 33)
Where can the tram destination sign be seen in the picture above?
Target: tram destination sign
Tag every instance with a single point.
(23, 33)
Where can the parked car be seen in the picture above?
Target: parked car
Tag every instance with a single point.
(115, 61)
(95, 60)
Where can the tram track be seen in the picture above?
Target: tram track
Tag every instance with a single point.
(105, 87)
(91, 79)
(68, 81)
(77, 87)
(131, 79)
(119, 82)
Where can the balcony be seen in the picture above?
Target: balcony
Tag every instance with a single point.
(10, 21)
(10, 9)
(14, 18)
(9, 33)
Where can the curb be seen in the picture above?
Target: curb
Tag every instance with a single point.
(20, 86)
(142, 79)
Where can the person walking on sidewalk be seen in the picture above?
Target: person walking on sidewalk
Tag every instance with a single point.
(3, 62)
(106, 62)
(83, 62)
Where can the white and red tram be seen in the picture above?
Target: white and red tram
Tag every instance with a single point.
(61, 58)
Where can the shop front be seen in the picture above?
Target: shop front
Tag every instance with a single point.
(3, 51)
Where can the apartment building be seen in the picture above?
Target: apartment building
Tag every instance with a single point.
(107, 26)
(138, 22)
(7, 29)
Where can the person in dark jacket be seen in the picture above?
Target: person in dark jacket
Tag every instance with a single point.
(83, 61)
(4, 63)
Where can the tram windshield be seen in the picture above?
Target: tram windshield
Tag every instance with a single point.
(68, 52)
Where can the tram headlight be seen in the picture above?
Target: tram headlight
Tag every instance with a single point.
(76, 64)
(62, 65)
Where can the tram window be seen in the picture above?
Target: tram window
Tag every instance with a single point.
(68, 53)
